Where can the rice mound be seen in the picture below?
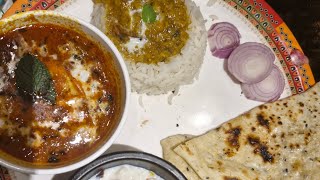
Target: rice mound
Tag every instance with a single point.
(161, 78)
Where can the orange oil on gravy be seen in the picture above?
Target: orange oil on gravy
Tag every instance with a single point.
(87, 104)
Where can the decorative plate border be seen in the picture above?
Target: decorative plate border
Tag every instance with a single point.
(29, 5)
(279, 37)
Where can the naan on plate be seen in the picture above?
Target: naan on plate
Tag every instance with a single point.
(279, 140)
(168, 145)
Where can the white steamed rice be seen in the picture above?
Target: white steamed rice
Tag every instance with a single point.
(161, 78)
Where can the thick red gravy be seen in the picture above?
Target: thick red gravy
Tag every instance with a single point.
(88, 98)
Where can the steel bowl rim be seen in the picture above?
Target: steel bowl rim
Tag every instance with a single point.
(132, 155)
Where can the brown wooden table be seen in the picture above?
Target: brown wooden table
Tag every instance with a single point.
(303, 18)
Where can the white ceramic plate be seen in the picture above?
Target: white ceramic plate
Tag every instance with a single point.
(211, 100)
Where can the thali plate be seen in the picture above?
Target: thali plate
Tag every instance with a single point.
(213, 98)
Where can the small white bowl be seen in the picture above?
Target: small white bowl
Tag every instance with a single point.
(23, 19)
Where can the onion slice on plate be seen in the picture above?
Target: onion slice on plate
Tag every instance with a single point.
(267, 90)
(223, 38)
(251, 62)
(298, 58)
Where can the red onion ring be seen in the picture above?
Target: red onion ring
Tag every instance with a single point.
(268, 90)
(251, 62)
(298, 58)
(223, 38)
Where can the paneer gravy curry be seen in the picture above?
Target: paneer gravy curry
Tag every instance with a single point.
(87, 104)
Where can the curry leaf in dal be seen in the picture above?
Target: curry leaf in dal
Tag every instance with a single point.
(148, 14)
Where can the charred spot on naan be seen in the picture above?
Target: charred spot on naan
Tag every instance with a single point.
(229, 152)
(230, 178)
(265, 120)
(233, 138)
(307, 138)
(262, 121)
(217, 165)
(301, 104)
(187, 149)
(260, 148)
(296, 166)
(245, 172)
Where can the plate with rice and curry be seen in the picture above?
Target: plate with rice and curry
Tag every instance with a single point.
(196, 64)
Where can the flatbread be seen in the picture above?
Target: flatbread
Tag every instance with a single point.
(279, 140)
(168, 145)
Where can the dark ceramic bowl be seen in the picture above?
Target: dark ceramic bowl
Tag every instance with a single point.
(140, 159)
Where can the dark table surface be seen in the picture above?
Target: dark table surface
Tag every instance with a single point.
(303, 18)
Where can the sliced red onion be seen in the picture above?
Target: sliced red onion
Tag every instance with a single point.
(223, 38)
(268, 90)
(251, 62)
(298, 58)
